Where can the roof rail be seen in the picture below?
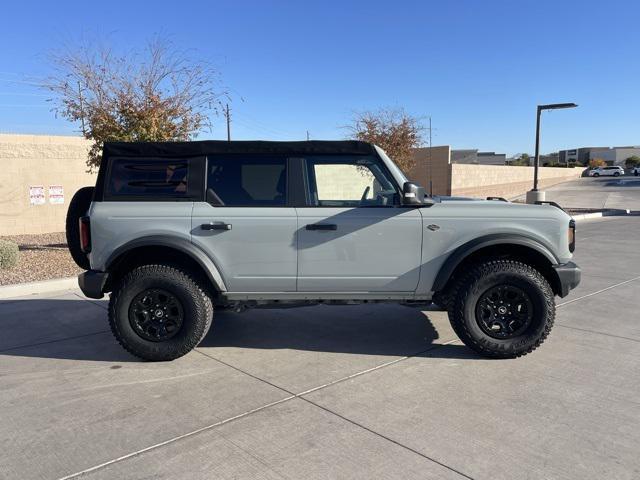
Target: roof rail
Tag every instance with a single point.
(546, 202)
(501, 199)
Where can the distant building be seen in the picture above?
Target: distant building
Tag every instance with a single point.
(549, 159)
(611, 155)
(473, 156)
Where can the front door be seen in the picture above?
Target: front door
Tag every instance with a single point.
(246, 225)
(353, 236)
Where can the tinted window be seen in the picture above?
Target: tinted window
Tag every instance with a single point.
(148, 178)
(348, 182)
(246, 181)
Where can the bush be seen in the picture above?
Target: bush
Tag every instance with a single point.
(597, 162)
(632, 161)
(8, 254)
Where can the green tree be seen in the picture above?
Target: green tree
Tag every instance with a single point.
(524, 160)
(632, 161)
(158, 94)
(393, 130)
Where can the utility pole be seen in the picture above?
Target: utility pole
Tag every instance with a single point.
(81, 109)
(228, 115)
(430, 170)
(307, 135)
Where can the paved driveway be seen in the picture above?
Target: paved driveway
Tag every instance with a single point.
(601, 192)
(331, 392)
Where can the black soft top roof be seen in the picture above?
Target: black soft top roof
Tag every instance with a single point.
(211, 147)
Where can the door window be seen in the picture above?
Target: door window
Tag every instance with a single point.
(349, 182)
(247, 181)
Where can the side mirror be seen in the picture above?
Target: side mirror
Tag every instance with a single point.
(414, 195)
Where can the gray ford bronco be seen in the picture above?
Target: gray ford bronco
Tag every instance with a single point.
(174, 230)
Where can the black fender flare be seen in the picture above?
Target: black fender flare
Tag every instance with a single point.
(181, 244)
(463, 251)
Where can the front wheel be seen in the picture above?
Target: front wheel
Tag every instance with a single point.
(502, 309)
(617, 174)
(596, 175)
(159, 312)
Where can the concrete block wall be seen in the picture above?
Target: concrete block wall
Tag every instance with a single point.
(504, 181)
(39, 160)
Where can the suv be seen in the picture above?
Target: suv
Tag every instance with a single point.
(615, 171)
(174, 230)
(636, 170)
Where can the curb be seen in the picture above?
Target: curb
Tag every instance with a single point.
(32, 288)
(605, 213)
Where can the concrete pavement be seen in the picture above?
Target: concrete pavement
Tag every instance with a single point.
(372, 391)
(599, 193)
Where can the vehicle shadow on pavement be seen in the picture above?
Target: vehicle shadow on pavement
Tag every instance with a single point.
(66, 329)
(78, 330)
(382, 329)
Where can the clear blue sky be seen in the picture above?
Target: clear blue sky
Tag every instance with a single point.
(477, 67)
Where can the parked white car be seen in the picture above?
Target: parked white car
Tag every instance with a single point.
(614, 171)
(636, 170)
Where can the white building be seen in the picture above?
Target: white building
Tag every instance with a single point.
(611, 155)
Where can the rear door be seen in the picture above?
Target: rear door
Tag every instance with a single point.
(353, 236)
(246, 223)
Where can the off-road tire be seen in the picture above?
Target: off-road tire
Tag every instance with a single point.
(196, 304)
(78, 207)
(482, 277)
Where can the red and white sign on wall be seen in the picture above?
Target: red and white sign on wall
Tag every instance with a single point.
(56, 194)
(36, 195)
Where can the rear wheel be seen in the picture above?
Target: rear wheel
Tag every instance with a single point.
(502, 309)
(78, 207)
(159, 312)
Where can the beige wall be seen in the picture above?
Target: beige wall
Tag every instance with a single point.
(39, 160)
(432, 165)
(479, 180)
(504, 181)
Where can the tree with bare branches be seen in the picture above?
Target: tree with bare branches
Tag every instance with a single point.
(159, 94)
(393, 130)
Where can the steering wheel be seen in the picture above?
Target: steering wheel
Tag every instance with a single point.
(364, 194)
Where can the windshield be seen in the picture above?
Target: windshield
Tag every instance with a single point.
(395, 170)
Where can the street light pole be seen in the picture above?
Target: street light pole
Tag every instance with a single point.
(536, 161)
(534, 194)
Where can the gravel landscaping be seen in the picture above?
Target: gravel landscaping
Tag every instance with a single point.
(42, 257)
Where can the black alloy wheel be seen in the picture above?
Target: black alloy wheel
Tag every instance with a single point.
(504, 311)
(156, 315)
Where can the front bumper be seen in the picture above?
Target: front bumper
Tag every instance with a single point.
(569, 276)
(92, 283)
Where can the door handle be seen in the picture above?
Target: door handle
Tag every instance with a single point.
(322, 226)
(216, 226)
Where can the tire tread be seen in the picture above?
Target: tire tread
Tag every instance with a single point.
(175, 274)
(456, 305)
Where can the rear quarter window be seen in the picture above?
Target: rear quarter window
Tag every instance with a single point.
(151, 179)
